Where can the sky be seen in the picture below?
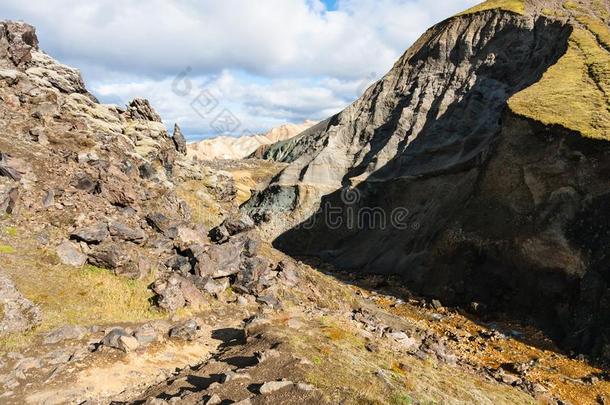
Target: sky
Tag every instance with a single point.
(233, 67)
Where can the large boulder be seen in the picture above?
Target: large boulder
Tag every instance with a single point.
(233, 225)
(95, 233)
(70, 254)
(163, 224)
(187, 330)
(255, 275)
(119, 339)
(117, 187)
(122, 231)
(175, 292)
(220, 260)
(122, 258)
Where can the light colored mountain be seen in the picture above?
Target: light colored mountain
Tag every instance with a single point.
(229, 147)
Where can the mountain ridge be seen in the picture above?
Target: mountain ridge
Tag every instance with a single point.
(229, 147)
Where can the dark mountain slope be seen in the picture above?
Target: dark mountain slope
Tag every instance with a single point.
(482, 155)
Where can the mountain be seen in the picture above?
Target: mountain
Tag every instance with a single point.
(230, 147)
(475, 170)
(129, 274)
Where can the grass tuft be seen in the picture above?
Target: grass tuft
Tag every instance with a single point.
(6, 249)
(11, 231)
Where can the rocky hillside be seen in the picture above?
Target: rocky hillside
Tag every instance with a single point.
(230, 147)
(128, 275)
(475, 170)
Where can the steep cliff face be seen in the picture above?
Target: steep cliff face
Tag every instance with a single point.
(456, 172)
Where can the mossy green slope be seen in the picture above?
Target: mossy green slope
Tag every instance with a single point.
(516, 6)
(575, 92)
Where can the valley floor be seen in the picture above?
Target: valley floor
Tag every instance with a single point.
(319, 337)
(323, 341)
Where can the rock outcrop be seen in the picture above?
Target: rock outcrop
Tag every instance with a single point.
(179, 140)
(99, 182)
(442, 175)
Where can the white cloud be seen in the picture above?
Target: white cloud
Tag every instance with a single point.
(258, 105)
(282, 59)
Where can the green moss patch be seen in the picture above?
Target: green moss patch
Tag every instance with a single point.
(516, 6)
(6, 249)
(11, 231)
(575, 92)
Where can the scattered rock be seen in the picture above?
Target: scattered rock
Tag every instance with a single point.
(268, 300)
(188, 330)
(185, 237)
(87, 157)
(255, 275)
(305, 387)
(70, 254)
(265, 355)
(371, 347)
(119, 339)
(220, 260)
(407, 342)
(288, 273)
(232, 375)
(146, 334)
(128, 343)
(192, 295)
(162, 224)
(179, 263)
(176, 291)
(60, 357)
(9, 197)
(12, 168)
(27, 364)
(510, 379)
(231, 226)
(122, 258)
(156, 401)
(49, 199)
(214, 400)
(124, 232)
(68, 332)
(19, 313)
(272, 386)
(85, 182)
(9, 75)
(170, 294)
(92, 234)
(215, 286)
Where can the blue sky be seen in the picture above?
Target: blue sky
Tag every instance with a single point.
(330, 4)
(249, 65)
